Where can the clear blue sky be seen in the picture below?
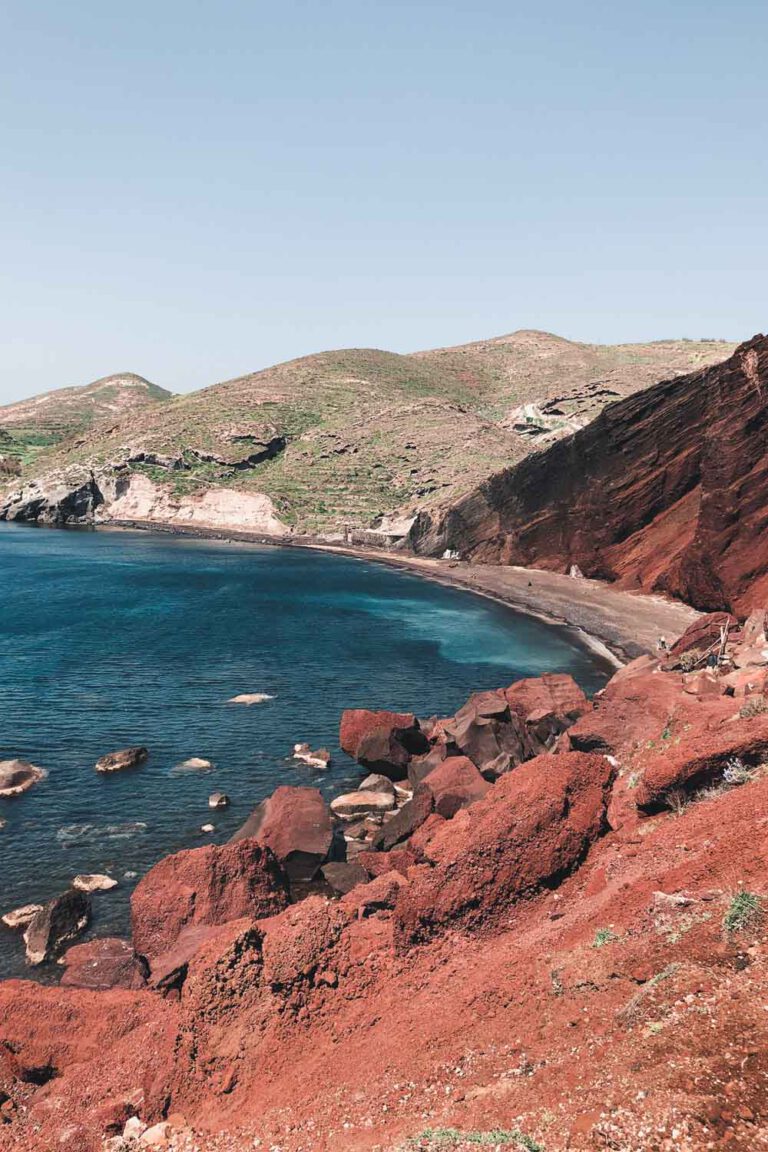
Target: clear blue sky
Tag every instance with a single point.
(195, 190)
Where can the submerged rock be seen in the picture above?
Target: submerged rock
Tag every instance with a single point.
(194, 764)
(250, 698)
(58, 922)
(124, 758)
(16, 776)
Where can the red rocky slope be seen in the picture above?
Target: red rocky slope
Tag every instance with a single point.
(560, 956)
(666, 490)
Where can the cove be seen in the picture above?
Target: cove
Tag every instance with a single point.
(112, 639)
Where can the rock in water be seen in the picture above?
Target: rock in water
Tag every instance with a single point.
(218, 800)
(194, 764)
(319, 759)
(17, 776)
(21, 917)
(125, 758)
(93, 882)
(60, 921)
(250, 698)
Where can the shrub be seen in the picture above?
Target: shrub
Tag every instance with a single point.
(753, 706)
(736, 772)
(744, 911)
(432, 1138)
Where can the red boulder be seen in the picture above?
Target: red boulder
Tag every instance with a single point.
(455, 784)
(534, 825)
(547, 705)
(295, 824)
(382, 741)
(103, 963)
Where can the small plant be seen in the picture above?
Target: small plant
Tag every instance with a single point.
(453, 1138)
(744, 911)
(753, 706)
(736, 772)
(676, 801)
(603, 936)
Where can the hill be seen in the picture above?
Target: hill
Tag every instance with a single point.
(341, 438)
(47, 419)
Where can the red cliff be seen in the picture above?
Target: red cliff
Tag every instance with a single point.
(666, 490)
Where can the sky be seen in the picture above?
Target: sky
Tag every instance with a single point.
(192, 191)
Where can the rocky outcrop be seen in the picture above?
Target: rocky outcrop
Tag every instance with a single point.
(295, 824)
(75, 496)
(204, 887)
(666, 490)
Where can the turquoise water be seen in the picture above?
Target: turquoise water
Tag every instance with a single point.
(113, 639)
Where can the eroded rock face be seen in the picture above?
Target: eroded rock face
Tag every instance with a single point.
(203, 887)
(295, 824)
(665, 490)
(58, 922)
(534, 825)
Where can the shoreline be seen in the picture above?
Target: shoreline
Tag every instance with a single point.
(616, 625)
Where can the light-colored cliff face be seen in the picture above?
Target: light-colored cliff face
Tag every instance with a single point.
(666, 490)
(138, 498)
(80, 497)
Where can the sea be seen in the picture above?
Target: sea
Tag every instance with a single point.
(115, 638)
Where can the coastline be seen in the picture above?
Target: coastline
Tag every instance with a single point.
(615, 624)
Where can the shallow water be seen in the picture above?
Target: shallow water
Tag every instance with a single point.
(112, 639)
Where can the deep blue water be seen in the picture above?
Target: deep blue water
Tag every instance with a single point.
(111, 639)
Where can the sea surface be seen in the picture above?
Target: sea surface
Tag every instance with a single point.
(109, 639)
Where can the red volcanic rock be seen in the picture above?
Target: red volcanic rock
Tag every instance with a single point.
(296, 942)
(342, 876)
(375, 864)
(636, 710)
(666, 490)
(103, 963)
(417, 843)
(535, 824)
(486, 731)
(382, 741)
(379, 895)
(455, 784)
(204, 886)
(405, 822)
(547, 705)
(295, 824)
(700, 759)
(702, 634)
(421, 766)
